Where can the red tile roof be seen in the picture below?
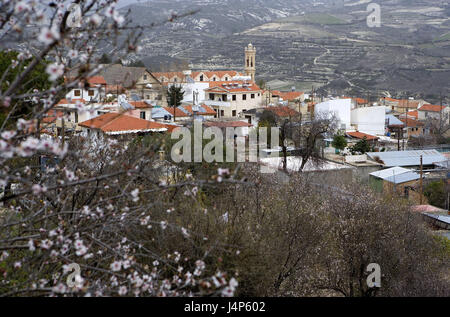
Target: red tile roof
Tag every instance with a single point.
(283, 111)
(412, 123)
(290, 95)
(414, 114)
(226, 86)
(117, 123)
(140, 104)
(227, 124)
(178, 112)
(52, 115)
(209, 111)
(361, 135)
(96, 80)
(432, 108)
(359, 101)
(207, 74)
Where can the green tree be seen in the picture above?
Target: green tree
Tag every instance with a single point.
(339, 142)
(36, 79)
(436, 194)
(362, 146)
(174, 95)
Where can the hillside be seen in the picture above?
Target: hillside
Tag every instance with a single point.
(305, 43)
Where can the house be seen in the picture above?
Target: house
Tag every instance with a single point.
(93, 90)
(287, 98)
(413, 127)
(141, 109)
(357, 102)
(196, 76)
(136, 81)
(230, 98)
(370, 120)
(401, 105)
(395, 181)
(372, 139)
(121, 124)
(252, 116)
(407, 158)
(429, 111)
(394, 127)
(169, 114)
(241, 127)
(339, 108)
(201, 112)
(72, 113)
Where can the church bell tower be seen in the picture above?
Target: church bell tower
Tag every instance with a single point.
(250, 55)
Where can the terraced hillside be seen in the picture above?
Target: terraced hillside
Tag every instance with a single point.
(327, 45)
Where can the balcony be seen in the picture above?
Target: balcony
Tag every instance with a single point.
(217, 103)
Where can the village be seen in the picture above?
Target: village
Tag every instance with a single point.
(386, 143)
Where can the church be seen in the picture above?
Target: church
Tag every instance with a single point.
(211, 76)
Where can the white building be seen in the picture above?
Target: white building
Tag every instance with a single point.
(341, 108)
(370, 120)
(94, 91)
(190, 87)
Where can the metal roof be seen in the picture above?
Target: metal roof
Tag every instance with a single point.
(392, 120)
(403, 178)
(407, 158)
(390, 172)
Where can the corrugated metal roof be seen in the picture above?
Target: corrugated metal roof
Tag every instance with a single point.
(390, 172)
(403, 178)
(392, 120)
(407, 158)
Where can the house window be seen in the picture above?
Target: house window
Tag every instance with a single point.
(147, 97)
(211, 96)
(145, 77)
(244, 97)
(226, 78)
(90, 93)
(222, 113)
(76, 117)
(143, 115)
(214, 78)
(77, 93)
(233, 113)
(252, 96)
(224, 97)
(233, 97)
(175, 80)
(201, 77)
(258, 94)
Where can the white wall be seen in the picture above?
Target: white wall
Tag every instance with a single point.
(339, 107)
(84, 94)
(370, 120)
(189, 89)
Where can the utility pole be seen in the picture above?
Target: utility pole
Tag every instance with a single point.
(440, 116)
(406, 122)
(421, 179)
